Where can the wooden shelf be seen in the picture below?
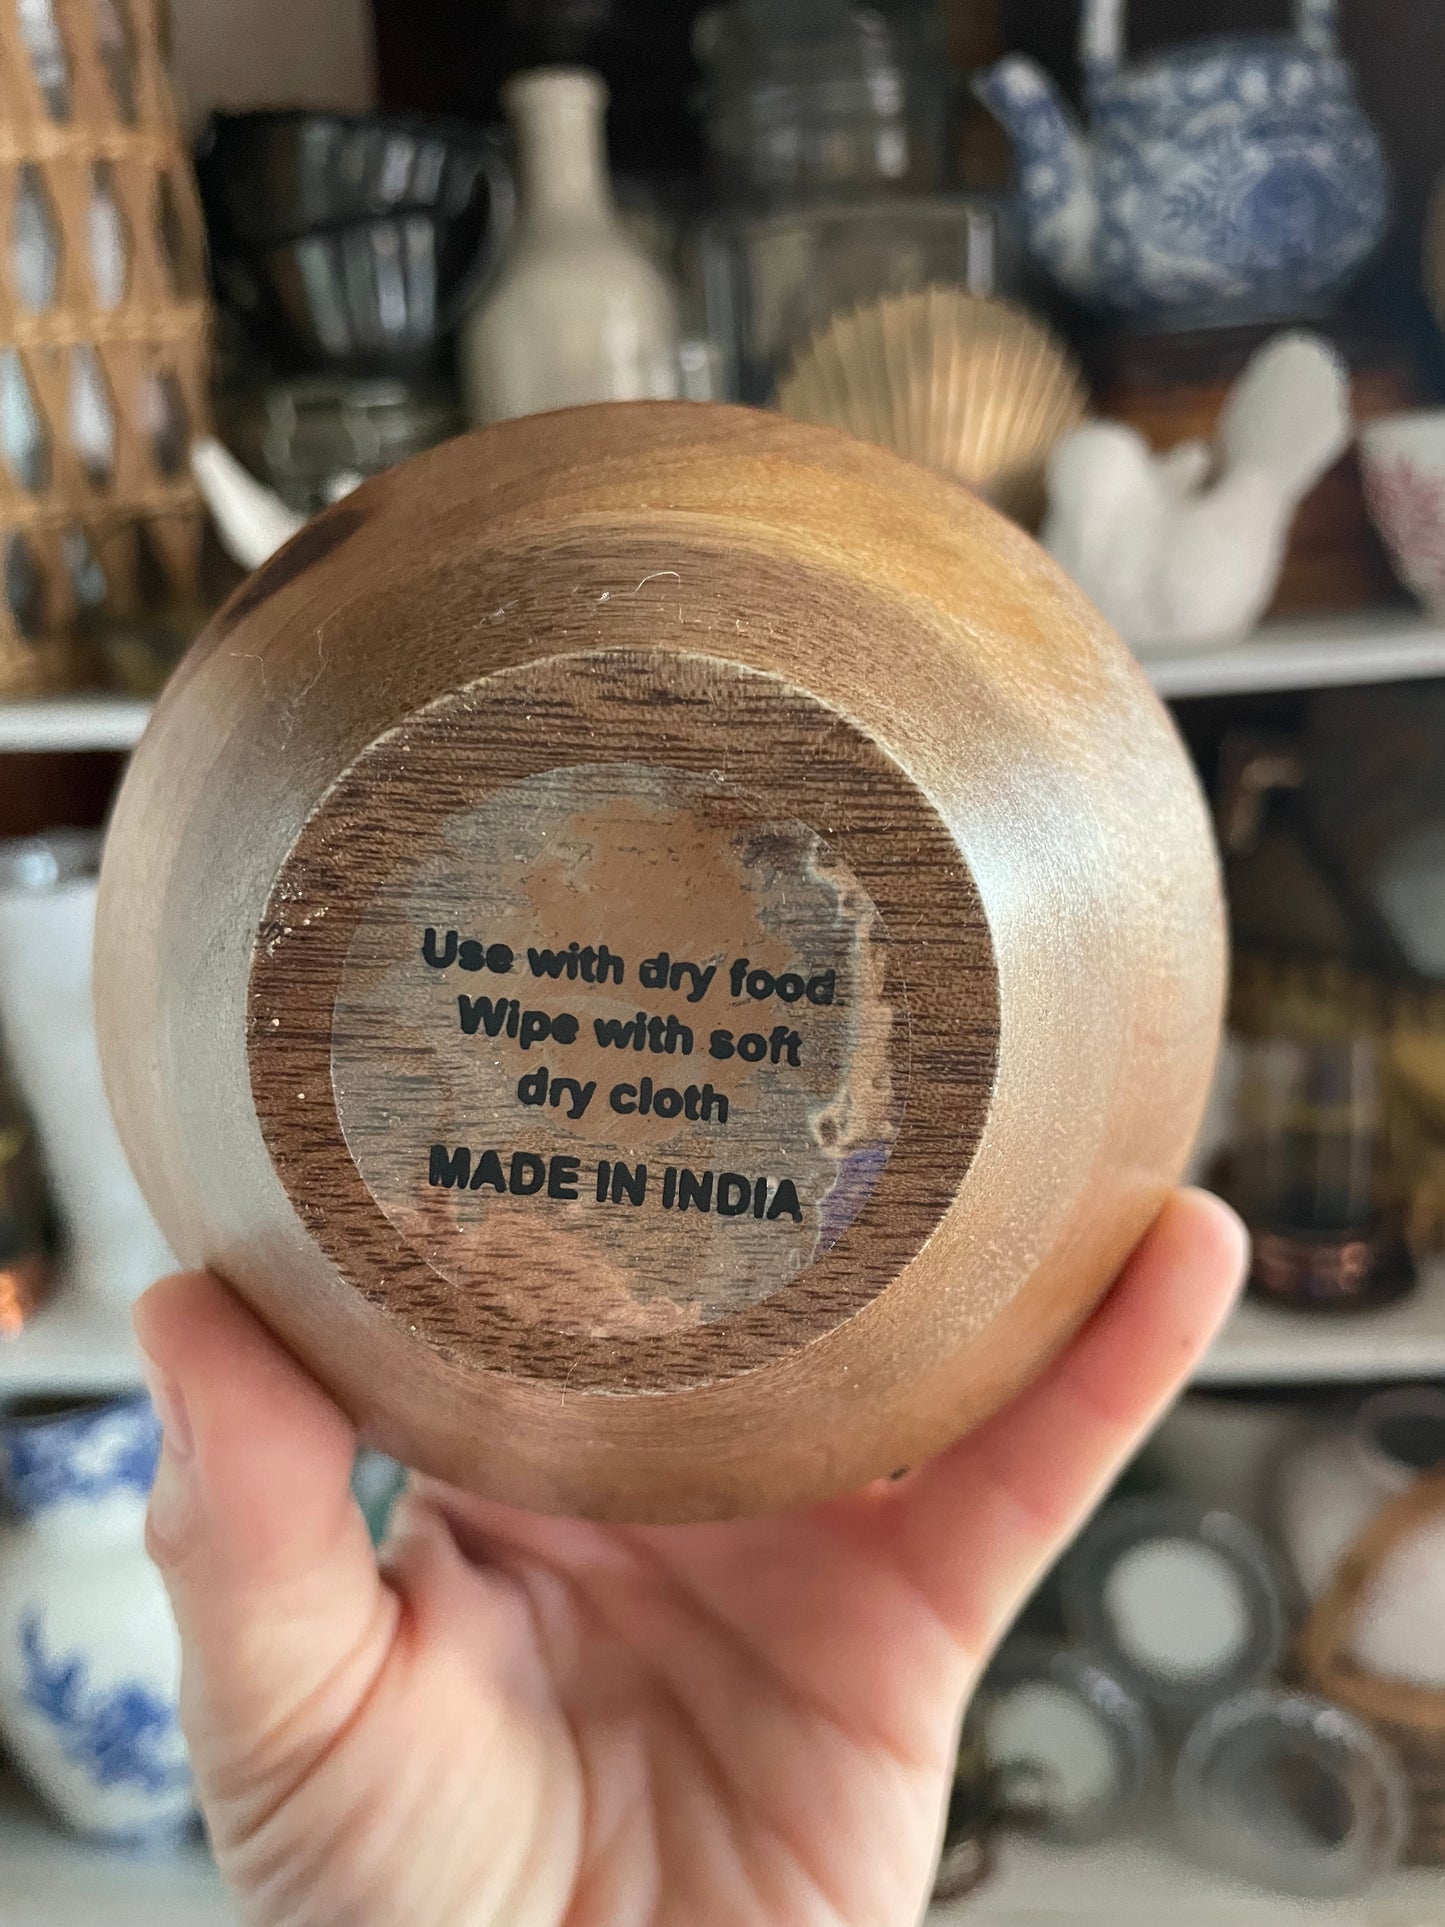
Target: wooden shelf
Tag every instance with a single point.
(1263, 1346)
(1143, 1885)
(73, 722)
(50, 1879)
(1393, 645)
(75, 1345)
(79, 1346)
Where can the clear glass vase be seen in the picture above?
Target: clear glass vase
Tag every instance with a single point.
(818, 97)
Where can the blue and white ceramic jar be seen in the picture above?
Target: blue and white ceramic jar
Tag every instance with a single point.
(1236, 180)
(89, 1656)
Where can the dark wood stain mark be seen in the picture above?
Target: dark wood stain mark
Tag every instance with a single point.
(308, 546)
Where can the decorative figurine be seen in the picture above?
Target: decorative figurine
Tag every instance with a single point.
(975, 388)
(669, 953)
(1183, 550)
(1236, 180)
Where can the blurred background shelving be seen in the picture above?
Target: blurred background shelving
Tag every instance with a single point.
(1137, 1883)
(1313, 653)
(1262, 1345)
(50, 1880)
(1309, 653)
(75, 1345)
(1340, 623)
(44, 724)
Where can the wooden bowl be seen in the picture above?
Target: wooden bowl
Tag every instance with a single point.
(669, 954)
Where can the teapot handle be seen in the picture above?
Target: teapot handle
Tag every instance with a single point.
(1317, 22)
(1101, 34)
(1101, 40)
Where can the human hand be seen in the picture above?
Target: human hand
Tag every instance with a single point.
(518, 1721)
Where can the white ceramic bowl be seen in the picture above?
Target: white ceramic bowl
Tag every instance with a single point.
(1404, 463)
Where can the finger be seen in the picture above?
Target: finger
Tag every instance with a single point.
(978, 1528)
(284, 1621)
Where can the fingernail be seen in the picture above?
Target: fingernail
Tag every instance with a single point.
(169, 1401)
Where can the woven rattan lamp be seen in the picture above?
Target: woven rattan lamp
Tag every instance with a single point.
(103, 327)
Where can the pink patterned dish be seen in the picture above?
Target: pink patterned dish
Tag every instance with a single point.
(1404, 464)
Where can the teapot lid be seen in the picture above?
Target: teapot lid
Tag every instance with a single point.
(1198, 72)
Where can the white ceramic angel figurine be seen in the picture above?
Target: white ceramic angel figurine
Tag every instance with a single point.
(1183, 550)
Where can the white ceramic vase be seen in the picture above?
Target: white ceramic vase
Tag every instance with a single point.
(1331, 1489)
(577, 311)
(112, 1248)
(89, 1656)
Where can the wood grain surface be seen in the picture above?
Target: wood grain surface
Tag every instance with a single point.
(880, 736)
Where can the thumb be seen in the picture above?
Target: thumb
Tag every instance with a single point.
(284, 1621)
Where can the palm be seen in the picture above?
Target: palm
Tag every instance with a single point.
(759, 1716)
(534, 1720)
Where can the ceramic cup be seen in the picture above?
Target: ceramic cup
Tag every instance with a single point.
(1404, 463)
(1331, 1489)
(89, 1656)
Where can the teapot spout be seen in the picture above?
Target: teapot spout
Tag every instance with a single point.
(1056, 169)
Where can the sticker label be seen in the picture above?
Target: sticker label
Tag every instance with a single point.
(618, 1042)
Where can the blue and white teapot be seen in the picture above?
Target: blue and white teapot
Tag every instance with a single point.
(1231, 180)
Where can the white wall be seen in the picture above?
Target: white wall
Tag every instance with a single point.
(271, 53)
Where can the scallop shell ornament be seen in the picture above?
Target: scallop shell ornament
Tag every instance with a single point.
(974, 387)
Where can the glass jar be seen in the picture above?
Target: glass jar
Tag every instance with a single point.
(771, 278)
(110, 1248)
(1184, 1606)
(814, 97)
(1292, 1793)
(1308, 1174)
(25, 1263)
(1070, 1749)
(313, 438)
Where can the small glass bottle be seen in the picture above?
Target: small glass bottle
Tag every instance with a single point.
(25, 1259)
(578, 311)
(1310, 1176)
